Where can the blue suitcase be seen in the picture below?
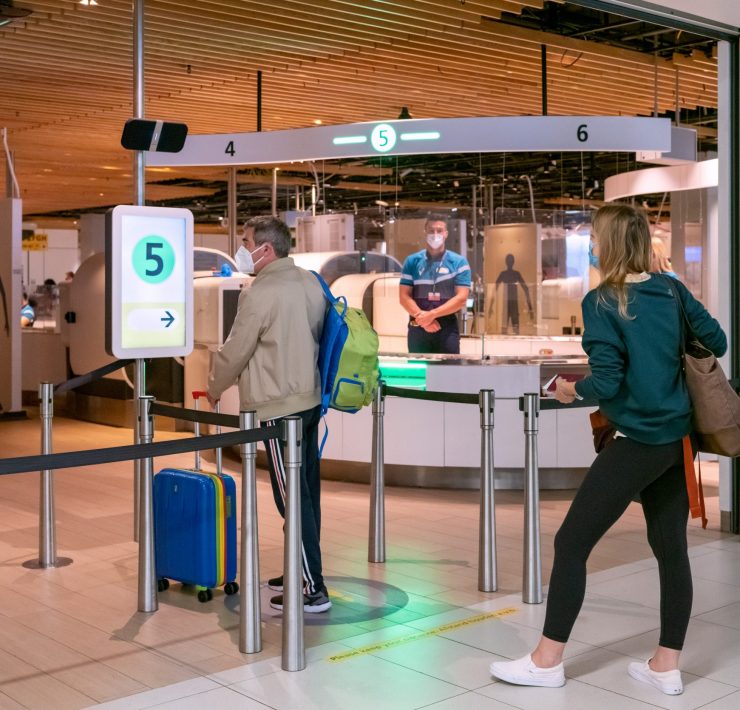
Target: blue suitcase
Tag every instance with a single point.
(195, 530)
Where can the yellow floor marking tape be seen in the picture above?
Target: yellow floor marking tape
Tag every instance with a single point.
(422, 634)
(336, 594)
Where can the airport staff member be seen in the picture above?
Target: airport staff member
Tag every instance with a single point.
(435, 284)
(272, 350)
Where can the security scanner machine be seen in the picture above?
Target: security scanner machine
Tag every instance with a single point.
(334, 264)
(215, 300)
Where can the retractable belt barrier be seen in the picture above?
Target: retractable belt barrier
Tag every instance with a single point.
(196, 415)
(47, 489)
(485, 399)
(91, 376)
(451, 397)
(548, 403)
(247, 436)
(90, 457)
(290, 433)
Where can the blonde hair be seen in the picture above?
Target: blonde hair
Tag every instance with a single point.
(625, 247)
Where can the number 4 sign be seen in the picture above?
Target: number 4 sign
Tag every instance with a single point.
(149, 282)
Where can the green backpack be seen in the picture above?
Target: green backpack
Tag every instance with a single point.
(348, 356)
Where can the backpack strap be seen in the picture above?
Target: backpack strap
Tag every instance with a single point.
(325, 287)
(326, 433)
(333, 300)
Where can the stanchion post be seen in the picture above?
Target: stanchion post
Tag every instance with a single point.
(250, 633)
(376, 536)
(139, 391)
(294, 654)
(532, 583)
(487, 573)
(147, 574)
(47, 523)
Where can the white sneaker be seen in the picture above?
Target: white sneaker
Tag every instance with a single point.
(668, 682)
(524, 672)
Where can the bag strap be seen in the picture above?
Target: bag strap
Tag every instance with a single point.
(325, 287)
(694, 486)
(323, 438)
(333, 300)
(683, 322)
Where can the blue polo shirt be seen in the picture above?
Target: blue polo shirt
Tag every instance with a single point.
(28, 312)
(436, 276)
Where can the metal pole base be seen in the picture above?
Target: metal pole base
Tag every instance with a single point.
(59, 562)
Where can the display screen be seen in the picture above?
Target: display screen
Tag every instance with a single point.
(149, 281)
(153, 282)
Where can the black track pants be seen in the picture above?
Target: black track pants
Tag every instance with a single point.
(619, 472)
(310, 493)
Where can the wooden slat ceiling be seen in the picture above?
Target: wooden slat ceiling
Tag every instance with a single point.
(66, 76)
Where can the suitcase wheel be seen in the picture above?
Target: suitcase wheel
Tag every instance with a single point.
(163, 584)
(231, 588)
(205, 595)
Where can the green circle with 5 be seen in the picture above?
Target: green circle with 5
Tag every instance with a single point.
(153, 259)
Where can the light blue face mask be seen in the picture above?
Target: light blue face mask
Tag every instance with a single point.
(592, 258)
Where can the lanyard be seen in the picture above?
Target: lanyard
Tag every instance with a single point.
(435, 275)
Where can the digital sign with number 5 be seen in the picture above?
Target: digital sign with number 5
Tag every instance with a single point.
(149, 282)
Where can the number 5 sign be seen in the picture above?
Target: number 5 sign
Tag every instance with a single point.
(149, 282)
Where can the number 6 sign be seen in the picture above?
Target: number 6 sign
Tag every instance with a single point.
(149, 282)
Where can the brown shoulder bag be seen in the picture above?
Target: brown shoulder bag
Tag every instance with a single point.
(716, 415)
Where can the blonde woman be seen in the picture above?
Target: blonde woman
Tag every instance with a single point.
(632, 338)
(661, 262)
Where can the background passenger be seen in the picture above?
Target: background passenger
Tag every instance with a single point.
(661, 262)
(28, 314)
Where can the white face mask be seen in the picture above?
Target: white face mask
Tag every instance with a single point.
(244, 261)
(435, 240)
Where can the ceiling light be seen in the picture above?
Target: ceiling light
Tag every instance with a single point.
(9, 14)
(317, 121)
(88, 2)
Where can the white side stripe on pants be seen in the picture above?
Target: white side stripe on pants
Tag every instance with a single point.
(275, 452)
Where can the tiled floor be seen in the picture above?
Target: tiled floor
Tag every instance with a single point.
(412, 633)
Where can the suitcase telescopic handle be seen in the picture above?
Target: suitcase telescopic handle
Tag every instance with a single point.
(197, 394)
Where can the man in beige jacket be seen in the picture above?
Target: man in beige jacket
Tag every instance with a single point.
(272, 352)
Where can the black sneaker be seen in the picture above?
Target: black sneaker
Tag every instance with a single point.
(276, 583)
(312, 603)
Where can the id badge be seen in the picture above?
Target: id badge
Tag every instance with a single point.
(433, 296)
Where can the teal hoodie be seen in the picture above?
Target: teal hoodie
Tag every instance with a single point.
(636, 365)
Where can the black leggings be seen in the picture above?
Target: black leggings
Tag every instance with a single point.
(619, 472)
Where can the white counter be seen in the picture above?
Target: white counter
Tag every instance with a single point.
(425, 435)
